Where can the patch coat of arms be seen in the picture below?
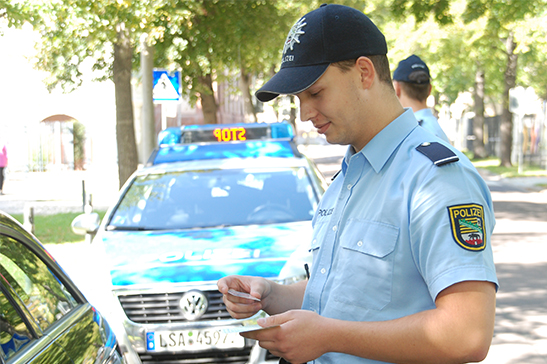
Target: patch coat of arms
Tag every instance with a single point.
(467, 225)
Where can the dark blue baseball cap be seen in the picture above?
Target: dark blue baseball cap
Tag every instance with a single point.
(408, 66)
(332, 33)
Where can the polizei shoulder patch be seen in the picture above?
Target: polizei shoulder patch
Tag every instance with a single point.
(438, 153)
(467, 225)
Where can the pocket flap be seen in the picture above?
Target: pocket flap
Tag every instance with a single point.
(370, 237)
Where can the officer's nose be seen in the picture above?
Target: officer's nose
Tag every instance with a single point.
(307, 112)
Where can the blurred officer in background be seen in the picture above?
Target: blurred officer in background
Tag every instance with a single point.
(412, 84)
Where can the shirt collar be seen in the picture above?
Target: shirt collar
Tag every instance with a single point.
(382, 146)
(423, 113)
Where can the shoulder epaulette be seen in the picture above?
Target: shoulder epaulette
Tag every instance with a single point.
(438, 153)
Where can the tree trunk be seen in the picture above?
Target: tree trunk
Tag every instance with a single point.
(292, 114)
(208, 102)
(506, 128)
(478, 121)
(275, 103)
(125, 129)
(245, 82)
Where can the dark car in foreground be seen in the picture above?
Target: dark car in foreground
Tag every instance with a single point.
(44, 318)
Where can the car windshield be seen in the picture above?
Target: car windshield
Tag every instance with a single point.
(213, 198)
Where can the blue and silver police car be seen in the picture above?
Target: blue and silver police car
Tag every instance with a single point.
(213, 200)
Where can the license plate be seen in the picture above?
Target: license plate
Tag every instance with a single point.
(193, 340)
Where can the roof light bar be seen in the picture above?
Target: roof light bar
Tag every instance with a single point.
(225, 133)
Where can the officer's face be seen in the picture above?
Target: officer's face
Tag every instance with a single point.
(333, 104)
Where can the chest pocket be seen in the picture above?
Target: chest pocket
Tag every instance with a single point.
(364, 276)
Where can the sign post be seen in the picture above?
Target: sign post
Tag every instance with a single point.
(166, 88)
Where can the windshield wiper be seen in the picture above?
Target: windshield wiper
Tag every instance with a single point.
(130, 228)
(143, 228)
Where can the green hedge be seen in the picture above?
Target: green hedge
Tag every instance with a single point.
(55, 229)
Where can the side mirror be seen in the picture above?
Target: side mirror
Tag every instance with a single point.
(86, 223)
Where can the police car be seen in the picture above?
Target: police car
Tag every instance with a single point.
(213, 200)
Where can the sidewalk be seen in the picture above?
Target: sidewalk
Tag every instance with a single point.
(57, 192)
(523, 184)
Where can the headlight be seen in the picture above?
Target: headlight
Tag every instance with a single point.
(294, 270)
(291, 280)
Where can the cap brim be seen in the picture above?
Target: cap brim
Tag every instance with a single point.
(290, 81)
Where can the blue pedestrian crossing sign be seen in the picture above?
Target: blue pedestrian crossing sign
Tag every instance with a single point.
(166, 85)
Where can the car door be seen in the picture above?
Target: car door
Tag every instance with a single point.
(46, 320)
(16, 340)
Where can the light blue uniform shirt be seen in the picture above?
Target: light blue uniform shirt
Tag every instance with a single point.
(430, 122)
(386, 236)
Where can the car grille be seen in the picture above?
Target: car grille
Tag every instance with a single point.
(217, 357)
(163, 308)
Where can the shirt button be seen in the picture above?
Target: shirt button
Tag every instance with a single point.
(349, 187)
(359, 243)
(323, 271)
(334, 228)
(426, 144)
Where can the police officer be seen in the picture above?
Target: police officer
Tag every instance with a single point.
(402, 262)
(412, 83)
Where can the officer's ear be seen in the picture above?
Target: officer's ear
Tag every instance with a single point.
(397, 87)
(366, 70)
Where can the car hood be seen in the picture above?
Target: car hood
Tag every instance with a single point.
(205, 255)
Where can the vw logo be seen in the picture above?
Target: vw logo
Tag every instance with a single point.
(193, 305)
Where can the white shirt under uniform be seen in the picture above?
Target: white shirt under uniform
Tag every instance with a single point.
(404, 220)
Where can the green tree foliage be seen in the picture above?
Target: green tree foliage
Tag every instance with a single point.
(423, 9)
(15, 13)
(507, 20)
(533, 52)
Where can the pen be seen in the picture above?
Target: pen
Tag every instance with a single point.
(307, 270)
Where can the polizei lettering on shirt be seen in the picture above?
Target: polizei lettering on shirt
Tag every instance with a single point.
(325, 212)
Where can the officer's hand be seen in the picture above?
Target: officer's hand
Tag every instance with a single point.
(298, 336)
(240, 307)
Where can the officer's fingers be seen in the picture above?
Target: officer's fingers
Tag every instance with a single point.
(266, 336)
(240, 310)
(275, 320)
(222, 285)
(235, 282)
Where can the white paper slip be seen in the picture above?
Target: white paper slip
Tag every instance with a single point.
(248, 324)
(233, 292)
